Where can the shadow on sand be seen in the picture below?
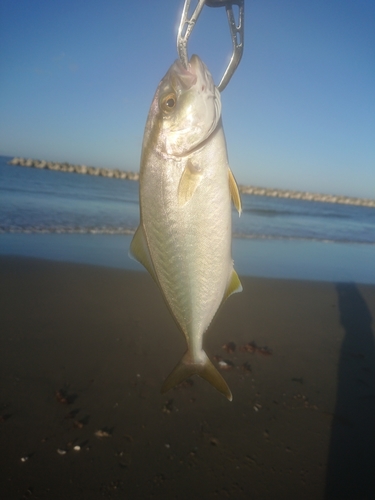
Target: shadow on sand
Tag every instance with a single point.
(351, 460)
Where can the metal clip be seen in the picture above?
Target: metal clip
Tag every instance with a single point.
(236, 31)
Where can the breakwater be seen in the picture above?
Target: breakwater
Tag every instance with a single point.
(304, 195)
(134, 176)
(74, 169)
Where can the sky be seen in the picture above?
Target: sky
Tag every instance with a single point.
(77, 79)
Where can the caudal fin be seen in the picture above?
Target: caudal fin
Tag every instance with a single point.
(205, 369)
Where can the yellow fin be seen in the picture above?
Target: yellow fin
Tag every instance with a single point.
(234, 191)
(205, 369)
(189, 182)
(234, 285)
(139, 251)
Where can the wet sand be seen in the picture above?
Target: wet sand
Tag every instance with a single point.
(86, 349)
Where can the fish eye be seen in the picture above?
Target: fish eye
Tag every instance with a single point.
(168, 103)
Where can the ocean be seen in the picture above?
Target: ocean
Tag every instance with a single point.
(83, 218)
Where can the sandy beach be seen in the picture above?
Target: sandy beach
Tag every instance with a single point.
(84, 351)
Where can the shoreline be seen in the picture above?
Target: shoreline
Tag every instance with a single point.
(78, 355)
(280, 259)
(251, 190)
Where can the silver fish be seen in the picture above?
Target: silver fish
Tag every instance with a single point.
(186, 185)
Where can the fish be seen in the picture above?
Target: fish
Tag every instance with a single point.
(184, 237)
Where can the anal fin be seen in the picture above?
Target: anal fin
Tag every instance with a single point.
(234, 285)
(139, 251)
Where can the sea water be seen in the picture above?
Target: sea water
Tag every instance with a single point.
(83, 218)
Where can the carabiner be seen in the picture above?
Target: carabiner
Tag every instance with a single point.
(236, 31)
(185, 29)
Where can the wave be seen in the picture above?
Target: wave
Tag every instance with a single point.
(81, 195)
(66, 230)
(256, 236)
(105, 230)
(269, 212)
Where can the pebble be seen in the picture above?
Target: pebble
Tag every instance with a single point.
(225, 364)
(102, 434)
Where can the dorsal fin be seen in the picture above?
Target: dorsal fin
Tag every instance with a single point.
(234, 191)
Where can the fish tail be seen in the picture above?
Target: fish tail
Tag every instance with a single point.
(205, 369)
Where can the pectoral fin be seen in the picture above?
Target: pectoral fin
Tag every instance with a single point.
(234, 191)
(234, 285)
(139, 251)
(190, 180)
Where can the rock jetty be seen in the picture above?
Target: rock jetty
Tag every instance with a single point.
(134, 176)
(75, 169)
(304, 195)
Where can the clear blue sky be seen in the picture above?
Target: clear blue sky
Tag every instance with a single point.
(77, 79)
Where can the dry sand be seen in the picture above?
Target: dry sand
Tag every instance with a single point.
(86, 349)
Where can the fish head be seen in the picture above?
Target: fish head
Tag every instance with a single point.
(187, 107)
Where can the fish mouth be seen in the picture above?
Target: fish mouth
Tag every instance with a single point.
(196, 65)
(196, 73)
(181, 78)
(204, 78)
